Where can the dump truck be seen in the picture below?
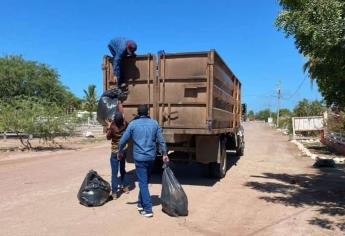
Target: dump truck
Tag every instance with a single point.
(194, 96)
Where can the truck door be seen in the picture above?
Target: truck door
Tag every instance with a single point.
(140, 74)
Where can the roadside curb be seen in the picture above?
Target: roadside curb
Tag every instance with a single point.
(306, 152)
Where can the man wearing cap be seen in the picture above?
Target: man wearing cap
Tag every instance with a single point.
(145, 133)
(120, 48)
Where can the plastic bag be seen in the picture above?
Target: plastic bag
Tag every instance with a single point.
(174, 199)
(319, 163)
(94, 191)
(107, 104)
(106, 109)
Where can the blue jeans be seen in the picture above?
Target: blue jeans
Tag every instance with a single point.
(143, 170)
(116, 67)
(115, 165)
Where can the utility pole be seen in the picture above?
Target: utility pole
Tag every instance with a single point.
(269, 107)
(278, 102)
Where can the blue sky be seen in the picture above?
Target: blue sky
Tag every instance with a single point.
(72, 37)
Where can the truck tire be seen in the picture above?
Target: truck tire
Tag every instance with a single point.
(157, 166)
(240, 151)
(230, 142)
(218, 170)
(240, 148)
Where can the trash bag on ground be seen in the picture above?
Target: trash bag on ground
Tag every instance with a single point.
(94, 191)
(107, 104)
(319, 163)
(174, 199)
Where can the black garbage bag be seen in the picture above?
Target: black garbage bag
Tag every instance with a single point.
(107, 104)
(94, 191)
(319, 163)
(174, 199)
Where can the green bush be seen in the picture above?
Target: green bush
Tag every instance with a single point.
(38, 117)
(336, 122)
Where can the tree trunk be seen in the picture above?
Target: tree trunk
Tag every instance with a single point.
(27, 145)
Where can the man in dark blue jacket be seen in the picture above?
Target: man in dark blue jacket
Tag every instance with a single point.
(145, 133)
(120, 48)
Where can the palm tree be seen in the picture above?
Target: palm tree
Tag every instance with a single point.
(311, 67)
(90, 99)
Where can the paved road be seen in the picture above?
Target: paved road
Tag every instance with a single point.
(271, 190)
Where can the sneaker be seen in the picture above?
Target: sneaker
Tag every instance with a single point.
(146, 214)
(125, 189)
(140, 208)
(115, 196)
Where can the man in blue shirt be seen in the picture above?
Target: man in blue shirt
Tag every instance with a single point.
(145, 133)
(120, 48)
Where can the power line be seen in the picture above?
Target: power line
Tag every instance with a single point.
(298, 88)
(257, 95)
(278, 102)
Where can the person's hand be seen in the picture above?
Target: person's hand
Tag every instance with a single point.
(108, 122)
(120, 106)
(115, 79)
(165, 158)
(119, 156)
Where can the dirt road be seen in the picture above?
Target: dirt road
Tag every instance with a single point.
(271, 190)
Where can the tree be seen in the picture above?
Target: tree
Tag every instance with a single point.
(308, 108)
(38, 117)
(19, 77)
(90, 99)
(318, 27)
(284, 119)
(251, 115)
(33, 101)
(263, 114)
(284, 112)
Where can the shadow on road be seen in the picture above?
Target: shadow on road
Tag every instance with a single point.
(52, 148)
(156, 201)
(189, 174)
(324, 190)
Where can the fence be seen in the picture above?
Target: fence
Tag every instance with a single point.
(14, 135)
(94, 129)
(91, 127)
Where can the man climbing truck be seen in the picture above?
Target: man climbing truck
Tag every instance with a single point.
(119, 49)
(196, 99)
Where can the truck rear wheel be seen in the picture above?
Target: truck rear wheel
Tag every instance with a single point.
(240, 151)
(218, 170)
(157, 166)
(240, 142)
(240, 148)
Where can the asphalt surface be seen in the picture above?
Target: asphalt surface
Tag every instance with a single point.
(271, 190)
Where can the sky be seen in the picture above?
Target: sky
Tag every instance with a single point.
(72, 37)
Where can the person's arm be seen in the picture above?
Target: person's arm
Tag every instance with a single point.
(161, 142)
(124, 138)
(120, 107)
(109, 134)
